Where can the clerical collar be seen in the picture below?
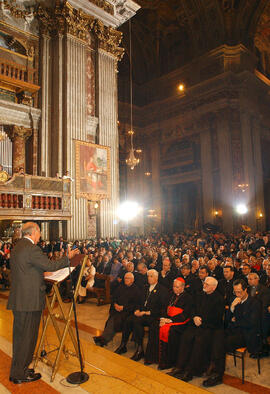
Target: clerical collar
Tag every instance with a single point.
(151, 288)
(244, 300)
(30, 239)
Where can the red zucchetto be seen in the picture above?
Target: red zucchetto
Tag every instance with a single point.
(181, 279)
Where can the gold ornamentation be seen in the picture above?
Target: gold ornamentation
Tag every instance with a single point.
(46, 22)
(65, 19)
(109, 39)
(3, 176)
(107, 7)
(17, 12)
(77, 22)
(19, 131)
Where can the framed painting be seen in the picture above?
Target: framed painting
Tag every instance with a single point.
(93, 180)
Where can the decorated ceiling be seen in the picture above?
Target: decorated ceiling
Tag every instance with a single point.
(167, 34)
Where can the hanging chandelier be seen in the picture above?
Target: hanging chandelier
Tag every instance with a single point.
(131, 160)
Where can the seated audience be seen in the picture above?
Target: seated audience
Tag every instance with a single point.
(150, 310)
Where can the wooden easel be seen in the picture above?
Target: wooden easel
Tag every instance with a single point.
(65, 318)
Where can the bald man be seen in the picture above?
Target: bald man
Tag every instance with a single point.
(126, 299)
(27, 299)
(194, 351)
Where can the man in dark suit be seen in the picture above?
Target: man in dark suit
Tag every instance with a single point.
(27, 299)
(124, 302)
(244, 330)
(151, 307)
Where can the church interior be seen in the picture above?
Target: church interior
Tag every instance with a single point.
(165, 103)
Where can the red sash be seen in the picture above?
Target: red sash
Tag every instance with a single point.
(164, 330)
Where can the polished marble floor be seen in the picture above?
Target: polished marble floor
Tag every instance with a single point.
(111, 373)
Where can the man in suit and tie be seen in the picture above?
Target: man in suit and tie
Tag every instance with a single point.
(151, 308)
(27, 299)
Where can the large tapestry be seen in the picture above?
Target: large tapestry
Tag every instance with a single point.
(92, 171)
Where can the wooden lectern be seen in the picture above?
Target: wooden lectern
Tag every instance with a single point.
(63, 317)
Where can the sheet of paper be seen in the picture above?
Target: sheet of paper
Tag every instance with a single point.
(59, 275)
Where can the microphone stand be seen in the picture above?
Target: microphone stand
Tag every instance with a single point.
(81, 376)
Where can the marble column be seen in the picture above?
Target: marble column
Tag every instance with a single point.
(108, 136)
(18, 136)
(57, 107)
(248, 165)
(225, 172)
(256, 135)
(156, 187)
(170, 208)
(207, 176)
(44, 164)
(74, 128)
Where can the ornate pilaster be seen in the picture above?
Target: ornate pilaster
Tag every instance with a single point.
(18, 136)
(108, 136)
(225, 171)
(207, 176)
(44, 164)
(109, 39)
(260, 209)
(74, 127)
(156, 186)
(250, 199)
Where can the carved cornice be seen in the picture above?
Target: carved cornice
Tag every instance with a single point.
(65, 19)
(107, 7)
(109, 39)
(18, 131)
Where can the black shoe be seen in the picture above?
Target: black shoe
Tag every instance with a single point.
(148, 362)
(174, 371)
(28, 379)
(28, 372)
(161, 367)
(186, 377)
(97, 340)
(121, 349)
(214, 380)
(100, 341)
(137, 356)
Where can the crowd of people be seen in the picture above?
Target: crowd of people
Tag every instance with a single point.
(201, 295)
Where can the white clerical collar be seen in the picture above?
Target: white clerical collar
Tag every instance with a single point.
(30, 239)
(151, 288)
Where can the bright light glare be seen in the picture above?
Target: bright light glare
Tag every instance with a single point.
(128, 210)
(241, 209)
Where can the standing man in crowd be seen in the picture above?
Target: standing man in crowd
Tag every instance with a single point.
(27, 299)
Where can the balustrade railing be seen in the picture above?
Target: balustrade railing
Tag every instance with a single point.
(27, 196)
(18, 72)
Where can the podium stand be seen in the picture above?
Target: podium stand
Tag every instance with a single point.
(63, 317)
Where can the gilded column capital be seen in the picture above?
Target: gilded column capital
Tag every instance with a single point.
(64, 19)
(45, 18)
(18, 131)
(109, 39)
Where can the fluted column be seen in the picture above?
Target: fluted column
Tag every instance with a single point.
(74, 128)
(45, 105)
(225, 170)
(156, 187)
(256, 133)
(207, 176)
(108, 136)
(57, 107)
(250, 199)
(18, 136)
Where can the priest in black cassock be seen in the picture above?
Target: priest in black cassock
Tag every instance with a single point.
(126, 298)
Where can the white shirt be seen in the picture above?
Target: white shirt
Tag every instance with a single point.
(30, 239)
(151, 288)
